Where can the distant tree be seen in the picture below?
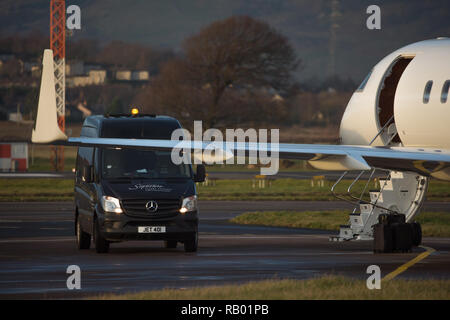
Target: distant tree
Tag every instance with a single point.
(218, 65)
(337, 83)
(132, 56)
(313, 84)
(83, 49)
(29, 104)
(25, 46)
(238, 51)
(12, 69)
(172, 93)
(115, 107)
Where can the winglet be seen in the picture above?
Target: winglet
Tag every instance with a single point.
(46, 129)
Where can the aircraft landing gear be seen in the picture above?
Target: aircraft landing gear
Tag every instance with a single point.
(393, 234)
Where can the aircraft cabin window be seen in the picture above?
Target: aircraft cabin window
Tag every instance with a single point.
(444, 93)
(363, 83)
(427, 91)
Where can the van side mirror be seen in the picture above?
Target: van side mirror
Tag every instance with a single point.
(88, 174)
(200, 174)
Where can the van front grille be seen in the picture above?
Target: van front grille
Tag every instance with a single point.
(137, 207)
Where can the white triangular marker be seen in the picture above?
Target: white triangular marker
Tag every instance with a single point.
(46, 128)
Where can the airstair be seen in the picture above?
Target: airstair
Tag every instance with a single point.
(399, 192)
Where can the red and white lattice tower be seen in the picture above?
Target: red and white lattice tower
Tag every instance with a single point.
(58, 45)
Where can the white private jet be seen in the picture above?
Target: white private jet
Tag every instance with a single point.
(397, 121)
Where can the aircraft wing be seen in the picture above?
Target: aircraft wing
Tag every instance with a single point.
(424, 161)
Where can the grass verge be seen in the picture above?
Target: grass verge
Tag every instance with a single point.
(280, 189)
(324, 288)
(36, 189)
(296, 189)
(434, 224)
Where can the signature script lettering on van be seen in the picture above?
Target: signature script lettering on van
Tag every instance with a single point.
(150, 187)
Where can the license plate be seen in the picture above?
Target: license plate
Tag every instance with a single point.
(151, 229)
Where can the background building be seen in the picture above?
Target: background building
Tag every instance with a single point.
(14, 156)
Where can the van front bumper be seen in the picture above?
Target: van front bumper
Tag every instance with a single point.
(122, 227)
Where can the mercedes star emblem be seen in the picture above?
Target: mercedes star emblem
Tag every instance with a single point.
(151, 206)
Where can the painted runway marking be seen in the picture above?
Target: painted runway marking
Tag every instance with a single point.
(408, 264)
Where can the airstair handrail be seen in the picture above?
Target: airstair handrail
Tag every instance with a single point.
(382, 129)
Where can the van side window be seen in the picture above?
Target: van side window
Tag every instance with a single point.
(444, 94)
(84, 158)
(427, 91)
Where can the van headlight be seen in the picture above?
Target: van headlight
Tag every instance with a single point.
(111, 204)
(189, 204)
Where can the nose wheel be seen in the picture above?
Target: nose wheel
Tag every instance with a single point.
(394, 235)
(417, 233)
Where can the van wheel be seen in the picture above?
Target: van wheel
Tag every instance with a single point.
(170, 244)
(101, 244)
(192, 244)
(83, 238)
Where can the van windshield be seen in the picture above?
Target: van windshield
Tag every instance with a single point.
(131, 163)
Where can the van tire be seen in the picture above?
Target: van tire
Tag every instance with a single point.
(83, 238)
(170, 244)
(191, 245)
(101, 244)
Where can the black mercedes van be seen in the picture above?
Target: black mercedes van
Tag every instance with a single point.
(133, 194)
